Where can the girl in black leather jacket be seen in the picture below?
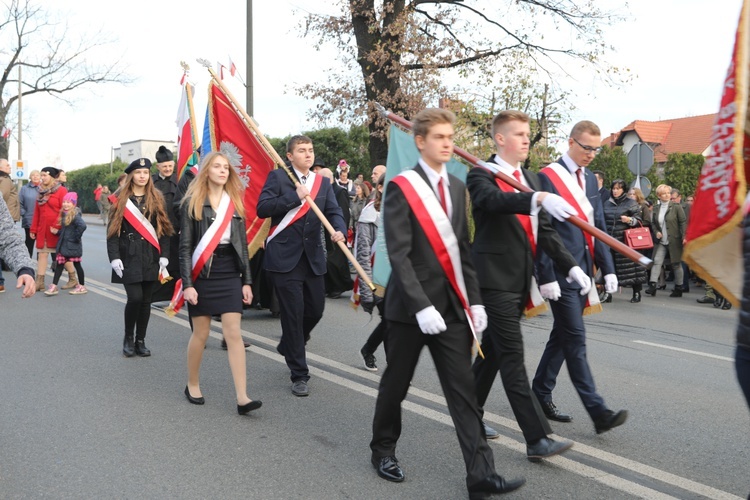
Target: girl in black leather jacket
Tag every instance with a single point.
(223, 283)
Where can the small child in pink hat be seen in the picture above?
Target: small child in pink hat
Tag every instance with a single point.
(70, 244)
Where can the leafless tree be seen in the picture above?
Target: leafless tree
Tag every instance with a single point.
(402, 49)
(52, 59)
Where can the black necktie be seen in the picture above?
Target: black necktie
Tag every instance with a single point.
(304, 179)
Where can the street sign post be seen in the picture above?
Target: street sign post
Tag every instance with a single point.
(640, 160)
(19, 170)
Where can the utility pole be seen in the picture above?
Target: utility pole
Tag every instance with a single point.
(249, 59)
(20, 133)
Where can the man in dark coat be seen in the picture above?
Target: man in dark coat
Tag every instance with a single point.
(509, 229)
(338, 277)
(164, 181)
(422, 309)
(294, 251)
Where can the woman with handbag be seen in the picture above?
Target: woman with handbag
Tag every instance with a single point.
(621, 214)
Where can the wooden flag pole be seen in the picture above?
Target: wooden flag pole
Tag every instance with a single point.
(269, 149)
(597, 233)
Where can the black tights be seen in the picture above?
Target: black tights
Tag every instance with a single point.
(138, 307)
(59, 269)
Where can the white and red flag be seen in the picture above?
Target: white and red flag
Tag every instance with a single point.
(186, 144)
(714, 236)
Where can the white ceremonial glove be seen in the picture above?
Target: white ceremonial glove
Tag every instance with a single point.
(557, 207)
(610, 283)
(550, 291)
(163, 262)
(430, 321)
(117, 267)
(576, 274)
(479, 315)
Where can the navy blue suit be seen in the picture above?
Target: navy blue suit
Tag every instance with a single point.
(567, 341)
(296, 263)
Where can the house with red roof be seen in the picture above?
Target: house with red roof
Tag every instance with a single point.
(680, 135)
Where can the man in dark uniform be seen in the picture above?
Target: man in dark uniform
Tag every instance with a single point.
(164, 181)
(294, 251)
(427, 238)
(338, 277)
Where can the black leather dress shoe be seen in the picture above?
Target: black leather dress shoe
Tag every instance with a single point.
(609, 420)
(545, 448)
(492, 485)
(552, 413)
(489, 432)
(195, 401)
(388, 468)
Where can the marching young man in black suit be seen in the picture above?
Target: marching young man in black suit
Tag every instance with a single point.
(509, 229)
(432, 297)
(294, 251)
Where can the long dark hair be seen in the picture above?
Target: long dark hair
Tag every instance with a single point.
(154, 205)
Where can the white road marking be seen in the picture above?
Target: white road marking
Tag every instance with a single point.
(687, 351)
(608, 479)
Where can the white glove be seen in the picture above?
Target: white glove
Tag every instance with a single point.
(163, 262)
(576, 274)
(430, 321)
(117, 267)
(557, 207)
(610, 283)
(479, 316)
(550, 291)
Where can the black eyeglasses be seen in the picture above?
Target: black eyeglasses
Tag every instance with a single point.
(588, 149)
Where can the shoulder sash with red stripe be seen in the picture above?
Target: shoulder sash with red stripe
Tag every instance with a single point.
(205, 248)
(439, 231)
(296, 213)
(551, 171)
(141, 224)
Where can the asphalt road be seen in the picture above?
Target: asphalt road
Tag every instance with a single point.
(78, 420)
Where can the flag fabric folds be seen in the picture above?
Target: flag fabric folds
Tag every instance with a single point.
(231, 136)
(714, 235)
(185, 139)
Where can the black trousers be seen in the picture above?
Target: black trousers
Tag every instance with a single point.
(451, 352)
(378, 335)
(29, 241)
(502, 344)
(301, 301)
(138, 307)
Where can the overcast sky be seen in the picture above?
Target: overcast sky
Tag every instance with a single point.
(679, 51)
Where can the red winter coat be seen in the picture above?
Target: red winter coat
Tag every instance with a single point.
(47, 216)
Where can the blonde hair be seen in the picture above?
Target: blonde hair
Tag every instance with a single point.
(154, 206)
(639, 198)
(662, 187)
(506, 116)
(198, 191)
(67, 217)
(429, 117)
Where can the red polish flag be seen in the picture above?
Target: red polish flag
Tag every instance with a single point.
(231, 136)
(232, 67)
(185, 141)
(714, 235)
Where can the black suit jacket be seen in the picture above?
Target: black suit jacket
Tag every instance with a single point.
(417, 279)
(502, 251)
(279, 196)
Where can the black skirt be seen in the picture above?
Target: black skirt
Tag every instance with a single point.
(221, 291)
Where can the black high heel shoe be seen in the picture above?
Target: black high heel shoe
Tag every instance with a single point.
(252, 405)
(195, 401)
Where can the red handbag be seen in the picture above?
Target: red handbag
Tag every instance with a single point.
(639, 238)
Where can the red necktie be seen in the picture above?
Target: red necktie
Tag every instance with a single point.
(517, 175)
(579, 173)
(441, 196)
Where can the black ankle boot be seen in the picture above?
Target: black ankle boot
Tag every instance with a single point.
(677, 292)
(141, 349)
(636, 297)
(127, 346)
(651, 290)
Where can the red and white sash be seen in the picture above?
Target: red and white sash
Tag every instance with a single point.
(535, 303)
(141, 224)
(297, 213)
(567, 186)
(204, 249)
(439, 231)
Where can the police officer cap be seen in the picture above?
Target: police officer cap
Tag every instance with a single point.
(139, 163)
(52, 171)
(164, 154)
